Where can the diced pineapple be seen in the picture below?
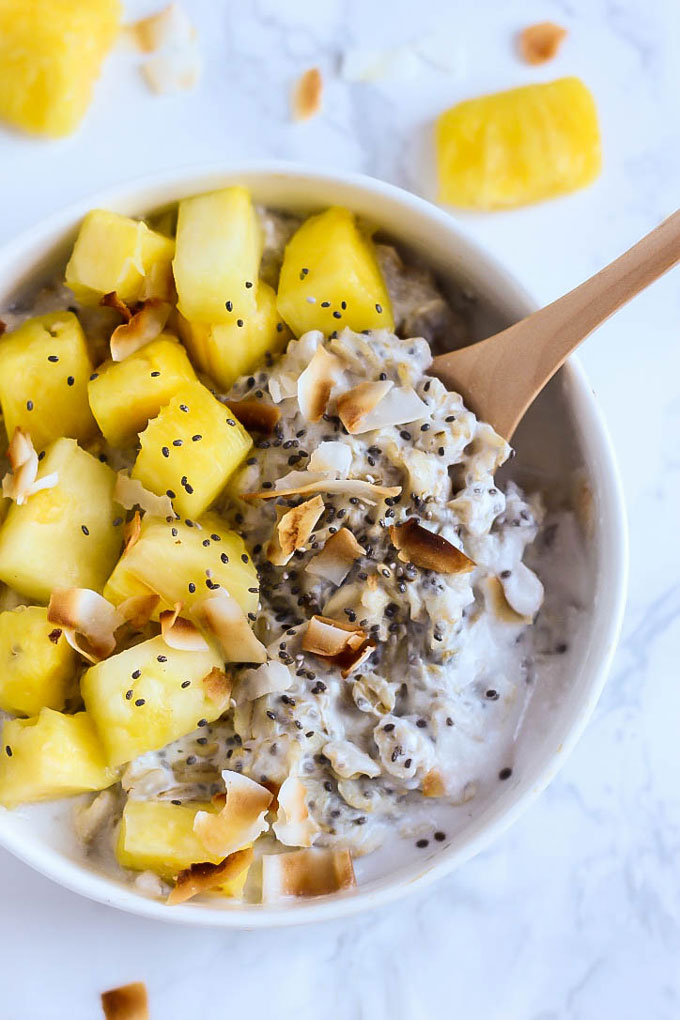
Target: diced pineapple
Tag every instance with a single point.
(124, 395)
(519, 146)
(66, 536)
(147, 696)
(219, 247)
(44, 370)
(190, 449)
(49, 756)
(330, 278)
(172, 560)
(114, 252)
(51, 52)
(228, 351)
(37, 665)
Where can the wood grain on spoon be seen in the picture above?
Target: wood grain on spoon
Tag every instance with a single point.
(500, 377)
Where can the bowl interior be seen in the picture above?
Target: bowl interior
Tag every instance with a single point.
(561, 445)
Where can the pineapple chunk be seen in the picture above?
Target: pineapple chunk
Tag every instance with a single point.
(36, 670)
(44, 369)
(219, 247)
(330, 260)
(124, 395)
(228, 351)
(519, 146)
(51, 52)
(169, 557)
(66, 536)
(138, 701)
(191, 449)
(50, 756)
(114, 252)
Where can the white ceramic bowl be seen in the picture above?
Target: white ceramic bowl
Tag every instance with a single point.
(562, 436)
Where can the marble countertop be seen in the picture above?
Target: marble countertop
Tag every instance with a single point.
(575, 913)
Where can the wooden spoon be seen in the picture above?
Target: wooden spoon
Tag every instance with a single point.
(500, 377)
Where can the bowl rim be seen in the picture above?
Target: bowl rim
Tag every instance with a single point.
(97, 886)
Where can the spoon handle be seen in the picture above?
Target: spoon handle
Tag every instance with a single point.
(501, 376)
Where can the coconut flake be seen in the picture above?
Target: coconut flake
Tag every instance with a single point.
(293, 825)
(178, 70)
(329, 638)
(361, 412)
(180, 633)
(523, 590)
(241, 820)
(331, 459)
(316, 382)
(269, 678)
(204, 876)
(368, 492)
(88, 621)
(255, 415)
(306, 873)
(293, 530)
(496, 600)
(427, 550)
(355, 404)
(129, 1002)
(168, 27)
(144, 326)
(433, 784)
(138, 609)
(307, 94)
(131, 532)
(130, 493)
(222, 616)
(22, 481)
(217, 686)
(335, 560)
(111, 300)
(348, 761)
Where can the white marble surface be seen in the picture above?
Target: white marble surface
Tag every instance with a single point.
(575, 913)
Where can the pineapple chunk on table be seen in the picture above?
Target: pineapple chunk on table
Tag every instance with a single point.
(66, 536)
(51, 755)
(37, 665)
(190, 450)
(330, 278)
(44, 370)
(217, 260)
(147, 696)
(124, 395)
(51, 52)
(519, 146)
(227, 351)
(116, 253)
(172, 559)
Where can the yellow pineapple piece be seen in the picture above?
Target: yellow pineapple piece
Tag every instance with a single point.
(114, 252)
(172, 559)
(147, 696)
(37, 665)
(44, 370)
(330, 278)
(190, 449)
(66, 536)
(50, 756)
(519, 146)
(228, 351)
(124, 395)
(219, 247)
(51, 52)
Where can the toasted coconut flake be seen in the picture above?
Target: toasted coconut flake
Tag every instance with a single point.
(365, 491)
(129, 1002)
(111, 300)
(180, 633)
(255, 415)
(241, 820)
(217, 685)
(177, 70)
(329, 638)
(539, 43)
(335, 560)
(269, 678)
(130, 492)
(138, 609)
(350, 660)
(222, 616)
(523, 590)
(400, 406)
(332, 458)
(306, 873)
(433, 784)
(355, 404)
(88, 621)
(22, 481)
(144, 326)
(131, 532)
(204, 877)
(498, 604)
(293, 530)
(307, 94)
(293, 825)
(429, 551)
(168, 27)
(316, 382)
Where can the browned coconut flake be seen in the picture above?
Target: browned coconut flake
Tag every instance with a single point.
(111, 300)
(137, 610)
(355, 404)
(306, 873)
(22, 481)
(307, 94)
(433, 784)
(335, 560)
(293, 530)
(539, 43)
(88, 621)
(368, 492)
(217, 685)
(222, 616)
(180, 633)
(255, 415)
(203, 877)
(241, 820)
(169, 27)
(144, 326)
(129, 1002)
(497, 602)
(427, 550)
(342, 644)
(293, 825)
(131, 532)
(316, 382)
